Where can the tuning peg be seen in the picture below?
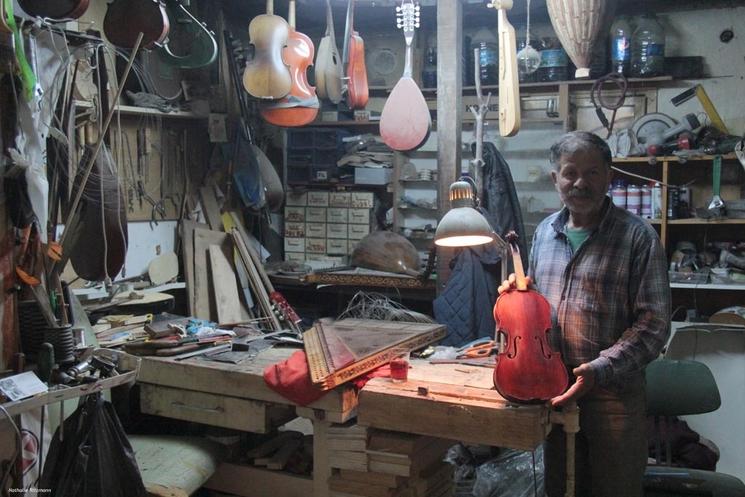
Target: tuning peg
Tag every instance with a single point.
(398, 8)
(416, 24)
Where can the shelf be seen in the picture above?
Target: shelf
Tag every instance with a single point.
(668, 158)
(423, 181)
(708, 286)
(144, 111)
(699, 221)
(538, 87)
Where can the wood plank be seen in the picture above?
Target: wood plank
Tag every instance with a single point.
(210, 207)
(466, 414)
(372, 477)
(187, 252)
(354, 445)
(204, 301)
(213, 410)
(342, 459)
(244, 481)
(225, 289)
(321, 458)
(338, 484)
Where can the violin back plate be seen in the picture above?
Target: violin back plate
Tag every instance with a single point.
(266, 75)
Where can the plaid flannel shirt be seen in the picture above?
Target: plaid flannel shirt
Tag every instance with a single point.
(610, 300)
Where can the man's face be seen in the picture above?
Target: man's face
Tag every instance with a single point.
(582, 182)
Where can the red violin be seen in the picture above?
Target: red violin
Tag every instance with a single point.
(527, 371)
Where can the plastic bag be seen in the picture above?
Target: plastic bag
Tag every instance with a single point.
(94, 458)
(510, 475)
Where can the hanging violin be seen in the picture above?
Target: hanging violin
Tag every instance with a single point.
(300, 106)
(354, 58)
(527, 371)
(125, 19)
(266, 74)
(405, 121)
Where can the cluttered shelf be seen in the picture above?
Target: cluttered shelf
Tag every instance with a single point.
(145, 111)
(541, 86)
(668, 158)
(708, 286)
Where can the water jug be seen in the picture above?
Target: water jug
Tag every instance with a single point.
(620, 45)
(647, 48)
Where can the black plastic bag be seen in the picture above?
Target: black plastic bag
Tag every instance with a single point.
(95, 458)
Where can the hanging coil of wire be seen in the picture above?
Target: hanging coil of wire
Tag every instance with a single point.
(377, 306)
(620, 84)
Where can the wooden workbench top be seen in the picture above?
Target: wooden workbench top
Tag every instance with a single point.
(244, 380)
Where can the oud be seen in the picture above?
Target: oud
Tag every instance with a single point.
(328, 63)
(405, 121)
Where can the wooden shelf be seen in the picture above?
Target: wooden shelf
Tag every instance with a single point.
(708, 286)
(699, 221)
(144, 111)
(668, 158)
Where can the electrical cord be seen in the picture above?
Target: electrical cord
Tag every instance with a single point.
(596, 97)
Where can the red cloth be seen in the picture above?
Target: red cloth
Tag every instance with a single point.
(291, 379)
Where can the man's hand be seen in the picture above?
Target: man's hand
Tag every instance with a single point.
(584, 383)
(509, 283)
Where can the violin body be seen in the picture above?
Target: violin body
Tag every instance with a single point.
(357, 89)
(125, 19)
(55, 9)
(266, 75)
(528, 370)
(300, 106)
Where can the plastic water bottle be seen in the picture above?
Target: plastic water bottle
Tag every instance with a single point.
(554, 62)
(620, 45)
(633, 199)
(647, 48)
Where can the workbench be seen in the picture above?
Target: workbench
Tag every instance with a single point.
(450, 401)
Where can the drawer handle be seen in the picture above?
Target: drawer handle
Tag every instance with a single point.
(197, 408)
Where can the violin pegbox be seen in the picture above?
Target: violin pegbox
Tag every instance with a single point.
(500, 4)
(407, 16)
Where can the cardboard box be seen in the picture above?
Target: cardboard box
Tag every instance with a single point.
(359, 216)
(336, 246)
(294, 230)
(294, 244)
(361, 200)
(315, 214)
(339, 199)
(315, 245)
(315, 230)
(318, 199)
(337, 231)
(337, 215)
(295, 214)
(372, 175)
(358, 231)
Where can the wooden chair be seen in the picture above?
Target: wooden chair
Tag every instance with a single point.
(174, 466)
(678, 388)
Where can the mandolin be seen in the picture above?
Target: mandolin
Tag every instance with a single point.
(266, 74)
(199, 40)
(528, 370)
(328, 63)
(405, 121)
(354, 58)
(509, 89)
(54, 9)
(124, 19)
(300, 106)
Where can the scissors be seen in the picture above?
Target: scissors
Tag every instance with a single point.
(483, 349)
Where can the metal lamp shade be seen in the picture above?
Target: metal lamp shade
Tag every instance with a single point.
(577, 24)
(463, 227)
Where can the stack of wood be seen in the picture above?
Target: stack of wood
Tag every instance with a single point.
(225, 277)
(289, 450)
(376, 463)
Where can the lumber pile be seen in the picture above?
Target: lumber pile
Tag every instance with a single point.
(289, 450)
(377, 463)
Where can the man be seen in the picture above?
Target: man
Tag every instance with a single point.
(604, 272)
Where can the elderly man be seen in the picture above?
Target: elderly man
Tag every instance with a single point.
(604, 272)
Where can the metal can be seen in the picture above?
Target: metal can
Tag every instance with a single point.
(657, 201)
(673, 201)
(618, 194)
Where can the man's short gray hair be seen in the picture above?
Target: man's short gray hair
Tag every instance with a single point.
(579, 141)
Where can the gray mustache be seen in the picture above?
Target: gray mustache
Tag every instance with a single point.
(579, 193)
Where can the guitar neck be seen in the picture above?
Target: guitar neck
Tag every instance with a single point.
(330, 22)
(408, 63)
(291, 14)
(270, 7)
(349, 27)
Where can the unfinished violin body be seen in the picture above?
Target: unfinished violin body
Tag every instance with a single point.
(528, 370)
(266, 75)
(125, 19)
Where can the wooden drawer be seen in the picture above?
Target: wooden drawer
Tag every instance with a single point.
(213, 410)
